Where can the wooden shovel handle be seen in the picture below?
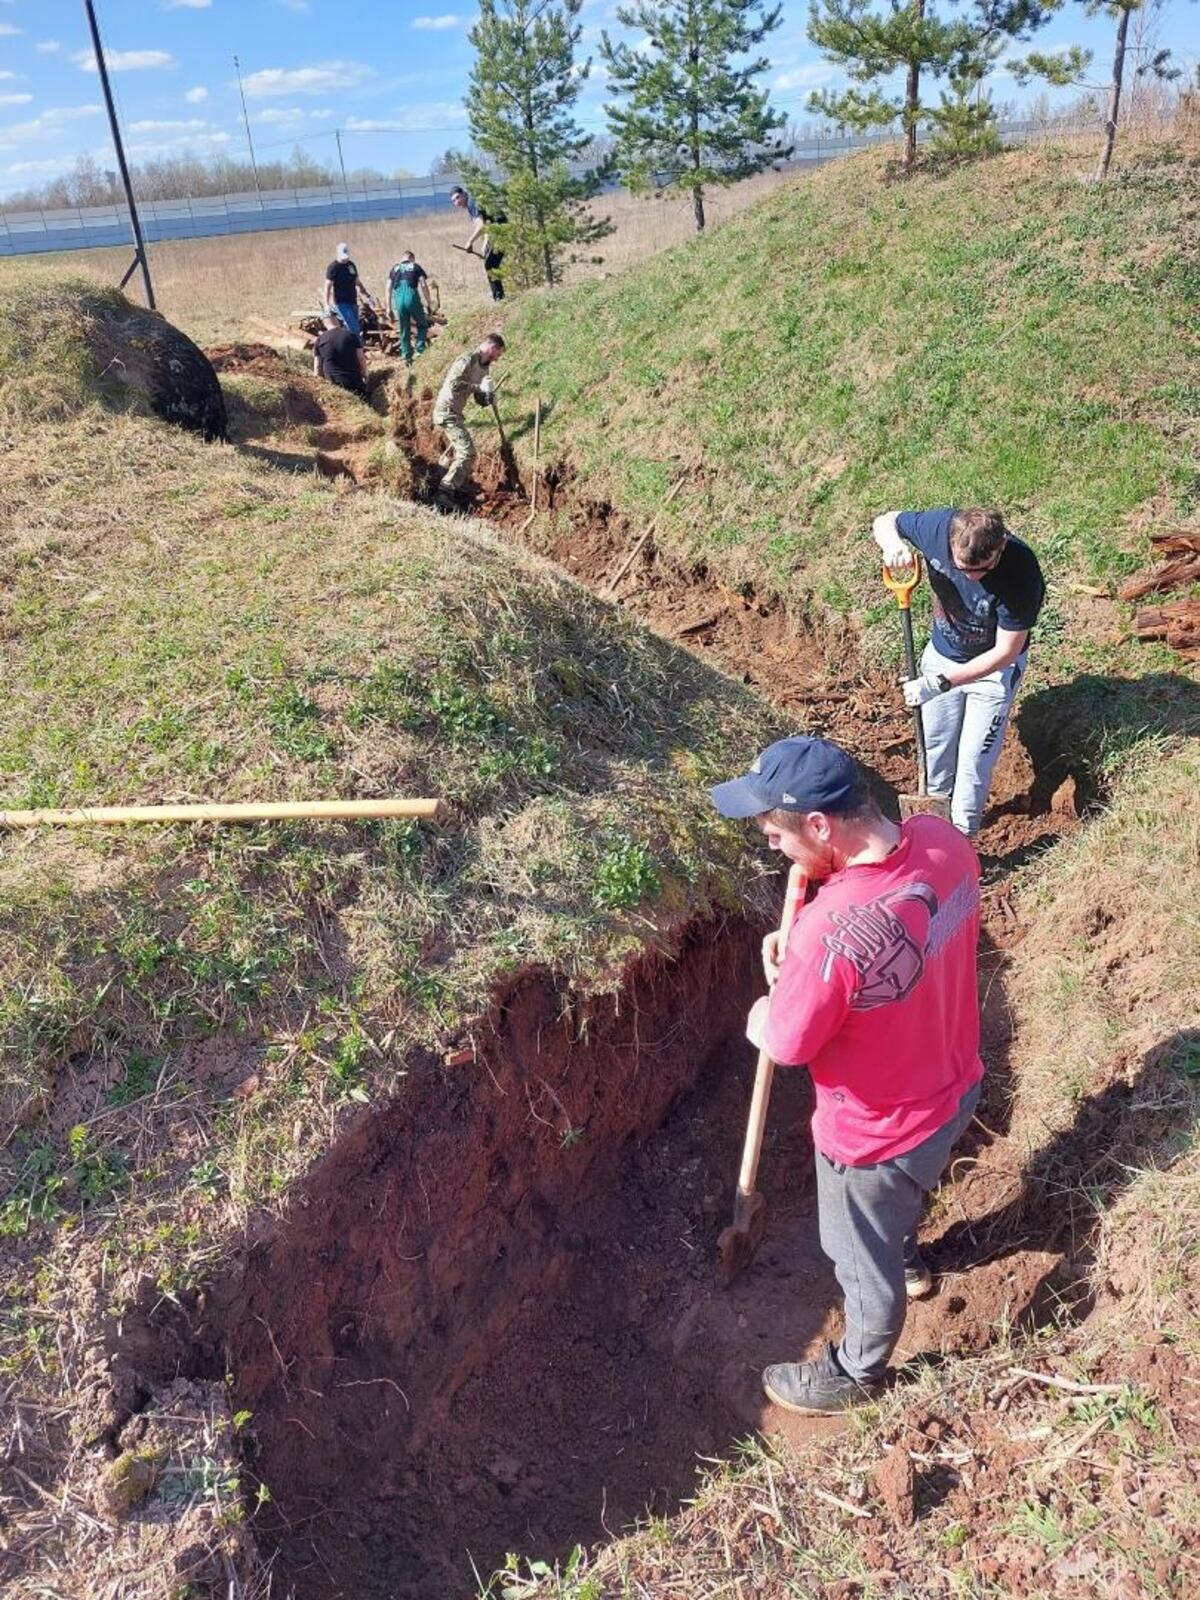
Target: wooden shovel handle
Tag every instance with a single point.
(253, 811)
(765, 1071)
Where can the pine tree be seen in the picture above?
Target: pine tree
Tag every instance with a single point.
(523, 86)
(1069, 66)
(691, 107)
(873, 44)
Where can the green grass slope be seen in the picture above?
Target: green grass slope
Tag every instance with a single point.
(181, 623)
(1001, 334)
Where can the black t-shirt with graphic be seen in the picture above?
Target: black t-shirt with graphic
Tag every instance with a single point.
(344, 277)
(967, 611)
(408, 273)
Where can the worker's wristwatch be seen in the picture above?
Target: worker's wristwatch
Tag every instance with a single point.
(942, 681)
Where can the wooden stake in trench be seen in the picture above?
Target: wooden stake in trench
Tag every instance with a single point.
(248, 811)
(640, 542)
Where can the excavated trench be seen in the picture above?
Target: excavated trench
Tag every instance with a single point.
(489, 1320)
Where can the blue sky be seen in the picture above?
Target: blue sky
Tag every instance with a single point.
(390, 75)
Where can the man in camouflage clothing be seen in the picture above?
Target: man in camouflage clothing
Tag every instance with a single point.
(468, 376)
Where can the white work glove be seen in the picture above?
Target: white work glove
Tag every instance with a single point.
(897, 554)
(484, 393)
(756, 1023)
(919, 690)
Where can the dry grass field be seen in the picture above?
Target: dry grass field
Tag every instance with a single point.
(222, 289)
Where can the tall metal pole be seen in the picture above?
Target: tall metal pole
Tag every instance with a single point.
(139, 244)
(249, 141)
(337, 134)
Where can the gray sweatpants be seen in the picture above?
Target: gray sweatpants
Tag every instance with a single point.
(868, 1219)
(964, 729)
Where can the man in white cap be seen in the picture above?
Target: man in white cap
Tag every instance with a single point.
(342, 288)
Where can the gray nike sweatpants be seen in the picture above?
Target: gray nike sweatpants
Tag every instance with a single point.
(868, 1219)
(964, 729)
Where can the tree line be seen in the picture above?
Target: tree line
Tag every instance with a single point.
(183, 176)
(686, 109)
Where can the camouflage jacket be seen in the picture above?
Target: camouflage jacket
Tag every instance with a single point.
(462, 381)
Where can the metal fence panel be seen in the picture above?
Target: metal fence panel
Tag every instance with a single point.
(209, 216)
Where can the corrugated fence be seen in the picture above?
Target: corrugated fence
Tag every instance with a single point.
(93, 227)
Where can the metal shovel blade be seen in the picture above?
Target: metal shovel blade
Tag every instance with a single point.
(737, 1244)
(924, 805)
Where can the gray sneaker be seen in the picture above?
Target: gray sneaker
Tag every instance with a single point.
(818, 1388)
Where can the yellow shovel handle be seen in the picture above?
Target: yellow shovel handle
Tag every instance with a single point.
(902, 582)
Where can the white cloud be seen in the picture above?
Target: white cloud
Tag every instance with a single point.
(433, 114)
(7, 77)
(188, 141)
(448, 19)
(47, 47)
(124, 60)
(295, 5)
(33, 169)
(150, 126)
(196, 96)
(48, 124)
(7, 31)
(15, 99)
(325, 76)
(809, 77)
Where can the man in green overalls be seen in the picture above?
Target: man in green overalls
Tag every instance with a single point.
(410, 302)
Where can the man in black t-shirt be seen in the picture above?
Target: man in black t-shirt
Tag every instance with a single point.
(492, 258)
(338, 356)
(342, 288)
(987, 592)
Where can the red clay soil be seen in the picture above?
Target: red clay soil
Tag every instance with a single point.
(490, 1319)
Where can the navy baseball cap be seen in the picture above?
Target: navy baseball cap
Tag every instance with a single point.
(796, 774)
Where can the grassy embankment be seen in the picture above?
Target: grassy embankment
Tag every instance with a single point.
(1002, 334)
(189, 1016)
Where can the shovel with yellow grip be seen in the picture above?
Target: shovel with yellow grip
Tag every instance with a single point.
(902, 582)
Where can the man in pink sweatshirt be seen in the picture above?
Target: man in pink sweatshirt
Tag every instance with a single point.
(876, 992)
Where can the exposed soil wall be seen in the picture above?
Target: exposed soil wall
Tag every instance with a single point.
(450, 1344)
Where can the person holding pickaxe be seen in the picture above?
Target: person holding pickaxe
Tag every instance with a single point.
(468, 376)
(493, 259)
(874, 987)
(987, 593)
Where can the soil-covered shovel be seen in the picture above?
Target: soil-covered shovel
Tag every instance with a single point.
(737, 1243)
(506, 450)
(902, 583)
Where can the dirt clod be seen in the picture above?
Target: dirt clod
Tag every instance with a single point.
(894, 1484)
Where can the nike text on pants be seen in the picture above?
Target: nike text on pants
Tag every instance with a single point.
(964, 729)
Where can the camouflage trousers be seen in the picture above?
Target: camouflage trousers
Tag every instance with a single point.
(461, 453)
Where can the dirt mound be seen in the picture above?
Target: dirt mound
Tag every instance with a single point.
(74, 343)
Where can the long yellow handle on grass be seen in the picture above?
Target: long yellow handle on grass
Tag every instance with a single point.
(249, 811)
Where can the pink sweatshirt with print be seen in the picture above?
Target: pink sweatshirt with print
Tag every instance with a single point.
(878, 995)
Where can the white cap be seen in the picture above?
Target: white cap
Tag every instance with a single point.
(343, 252)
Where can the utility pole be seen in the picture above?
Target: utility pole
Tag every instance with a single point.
(249, 141)
(139, 244)
(337, 134)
